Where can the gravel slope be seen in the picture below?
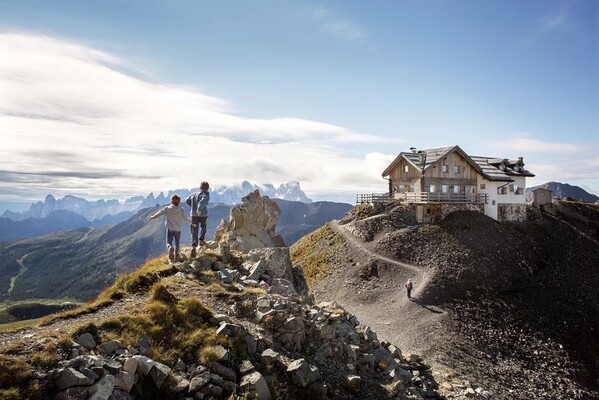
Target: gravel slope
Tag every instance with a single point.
(511, 307)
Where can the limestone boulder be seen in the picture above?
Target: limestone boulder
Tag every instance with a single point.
(255, 386)
(102, 390)
(199, 381)
(86, 340)
(274, 261)
(111, 346)
(159, 373)
(251, 224)
(124, 381)
(73, 393)
(302, 373)
(70, 377)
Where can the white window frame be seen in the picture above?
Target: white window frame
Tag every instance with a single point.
(432, 188)
(406, 169)
(444, 188)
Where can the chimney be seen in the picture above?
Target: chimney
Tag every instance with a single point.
(521, 160)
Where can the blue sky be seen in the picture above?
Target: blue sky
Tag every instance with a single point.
(128, 97)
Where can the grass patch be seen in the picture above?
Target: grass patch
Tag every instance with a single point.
(175, 328)
(362, 211)
(134, 282)
(13, 370)
(11, 394)
(142, 279)
(312, 251)
(16, 380)
(46, 358)
(89, 327)
(255, 290)
(222, 291)
(207, 354)
(19, 325)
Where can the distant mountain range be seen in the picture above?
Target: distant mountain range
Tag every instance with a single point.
(70, 212)
(563, 191)
(96, 210)
(79, 263)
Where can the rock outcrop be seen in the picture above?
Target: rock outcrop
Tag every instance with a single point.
(315, 351)
(251, 225)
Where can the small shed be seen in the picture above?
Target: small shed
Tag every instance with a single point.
(540, 197)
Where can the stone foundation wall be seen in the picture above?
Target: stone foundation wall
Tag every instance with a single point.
(511, 212)
(427, 213)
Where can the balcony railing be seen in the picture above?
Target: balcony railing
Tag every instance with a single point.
(438, 197)
(373, 198)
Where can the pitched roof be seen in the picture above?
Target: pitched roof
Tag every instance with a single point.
(492, 168)
(432, 156)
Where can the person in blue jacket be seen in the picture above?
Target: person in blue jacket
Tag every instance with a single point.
(199, 215)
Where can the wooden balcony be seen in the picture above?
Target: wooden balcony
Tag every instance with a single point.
(438, 197)
(372, 198)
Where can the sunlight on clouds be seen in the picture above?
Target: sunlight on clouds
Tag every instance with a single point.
(71, 121)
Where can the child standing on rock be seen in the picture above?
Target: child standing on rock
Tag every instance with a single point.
(175, 216)
(409, 286)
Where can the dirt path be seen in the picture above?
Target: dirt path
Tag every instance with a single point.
(348, 236)
(571, 226)
(22, 269)
(411, 323)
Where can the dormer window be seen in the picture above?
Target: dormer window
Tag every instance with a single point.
(502, 167)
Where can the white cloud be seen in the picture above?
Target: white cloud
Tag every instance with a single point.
(557, 20)
(72, 121)
(548, 160)
(340, 28)
(524, 142)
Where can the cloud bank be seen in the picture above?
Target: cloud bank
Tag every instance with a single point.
(73, 121)
(576, 163)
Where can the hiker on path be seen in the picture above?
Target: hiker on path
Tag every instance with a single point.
(409, 287)
(175, 216)
(199, 215)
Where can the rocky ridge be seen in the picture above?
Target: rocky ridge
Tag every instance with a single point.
(266, 338)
